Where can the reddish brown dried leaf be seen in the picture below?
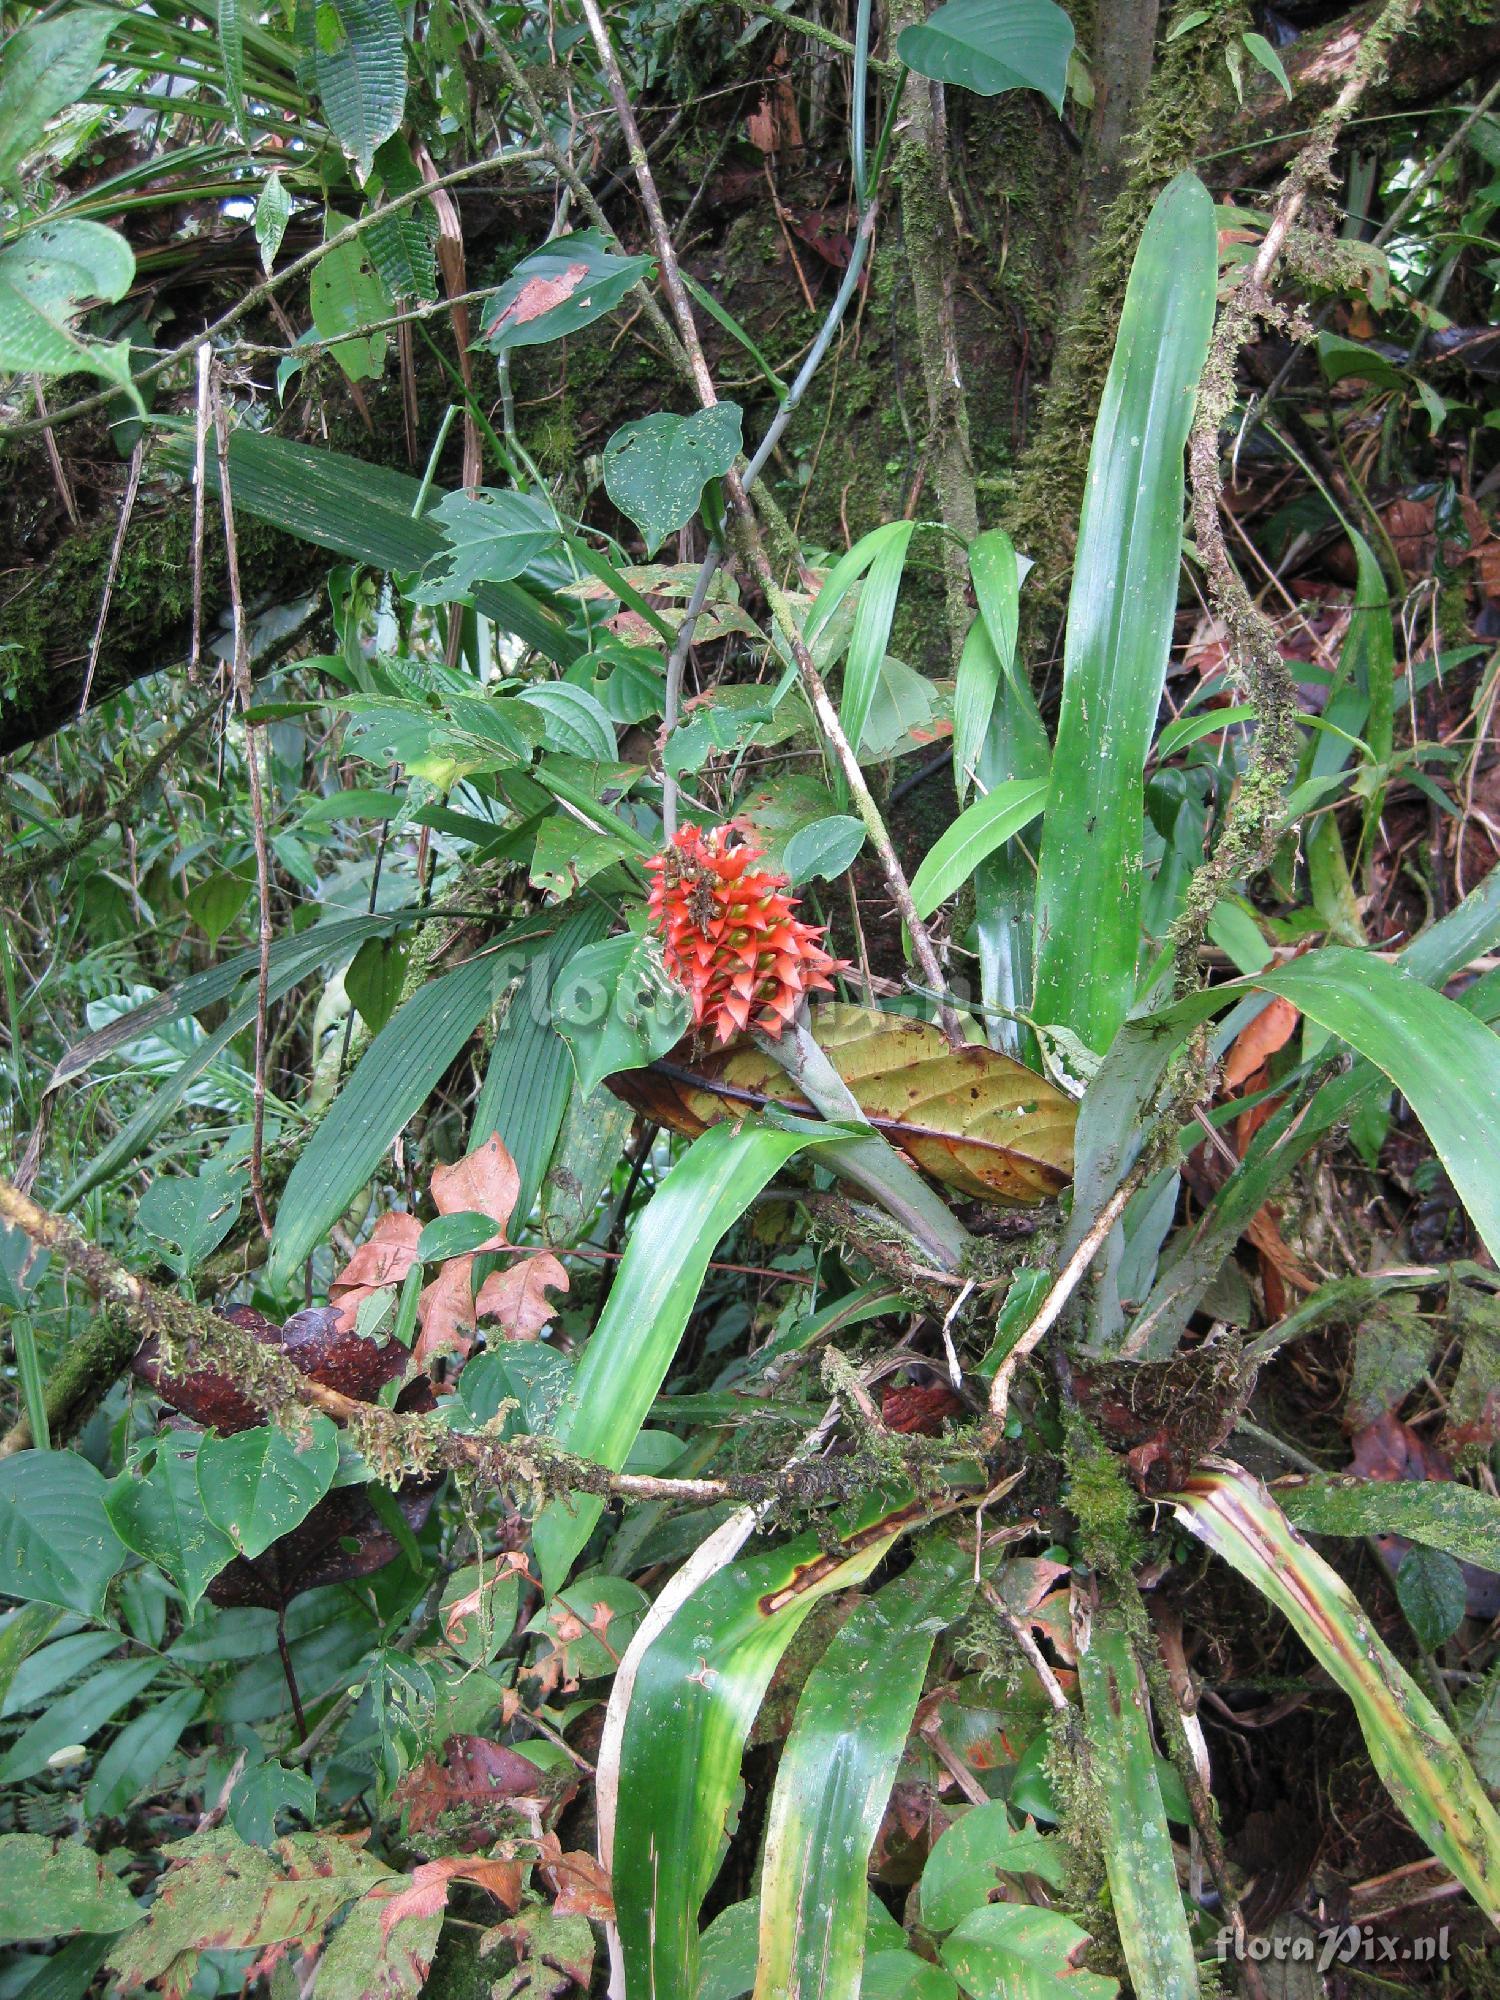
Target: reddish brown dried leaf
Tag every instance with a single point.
(1272, 1028)
(473, 1772)
(517, 1296)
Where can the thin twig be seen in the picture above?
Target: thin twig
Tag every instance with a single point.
(132, 487)
(244, 689)
(200, 482)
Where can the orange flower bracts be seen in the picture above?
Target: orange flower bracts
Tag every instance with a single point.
(729, 934)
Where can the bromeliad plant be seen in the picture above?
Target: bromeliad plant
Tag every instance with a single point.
(643, 1561)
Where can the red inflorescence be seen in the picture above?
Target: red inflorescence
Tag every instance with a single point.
(729, 933)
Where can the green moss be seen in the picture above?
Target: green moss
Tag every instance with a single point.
(1102, 1502)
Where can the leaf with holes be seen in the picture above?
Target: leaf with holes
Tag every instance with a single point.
(493, 535)
(47, 275)
(655, 469)
(346, 292)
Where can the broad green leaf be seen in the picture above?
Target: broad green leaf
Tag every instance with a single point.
(1341, 357)
(1120, 613)
(617, 1007)
(21, 1632)
(969, 1857)
(138, 1752)
(1262, 52)
(655, 469)
(1011, 1951)
(872, 626)
(76, 1717)
(346, 292)
(835, 1775)
(194, 1214)
(46, 66)
(655, 1288)
(1441, 1513)
(590, 1142)
(260, 1484)
(214, 903)
(263, 1794)
(158, 1513)
(566, 855)
(898, 1974)
(456, 1235)
(993, 45)
(576, 723)
(530, 1076)
(49, 1891)
(727, 1950)
(1137, 1846)
(389, 1085)
(56, 1542)
(47, 275)
(1433, 1596)
(374, 980)
(559, 290)
(823, 850)
(493, 535)
(696, 1692)
(359, 63)
(1413, 1750)
(979, 829)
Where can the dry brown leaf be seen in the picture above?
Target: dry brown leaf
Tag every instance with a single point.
(427, 1892)
(972, 1119)
(485, 1181)
(517, 1296)
(445, 1312)
(1272, 1028)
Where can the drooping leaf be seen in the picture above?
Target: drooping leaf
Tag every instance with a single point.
(403, 246)
(45, 66)
(697, 1688)
(969, 1857)
(835, 1776)
(493, 535)
(1413, 1750)
(559, 290)
(989, 656)
(1433, 1596)
(359, 63)
(1441, 1513)
(139, 1751)
(47, 274)
(273, 211)
(158, 1513)
(1120, 613)
(864, 663)
(57, 1545)
(1137, 1846)
(655, 468)
(346, 293)
(260, 1484)
(972, 1119)
(49, 1891)
(655, 1288)
(993, 45)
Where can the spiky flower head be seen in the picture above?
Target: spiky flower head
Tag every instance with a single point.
(729, 935)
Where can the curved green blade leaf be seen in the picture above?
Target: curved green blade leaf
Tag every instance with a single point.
(655, 1288)
(1442, 1513)
(872, 625)
(389, 1085)
(835, 1777)
(992, 46)
(696, 1692)
(1412, 1748)
(1120, 616)
(973, 837)
(1137, 1847)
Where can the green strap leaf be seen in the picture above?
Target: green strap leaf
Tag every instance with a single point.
(696, 1692)
(1442, 1513)
(390, 1083)
(1137, 1848)
(1120, 616)
(972, 837)
(1411, 1747)
(872, 626)
(835, 1776)
(655, 1288)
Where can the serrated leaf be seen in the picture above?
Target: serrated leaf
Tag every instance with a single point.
(359, 63)
(56, 1541)
(990, 46)
(559, 290)
(158, 1512)
(617, 1007)
(972, 1119)
(656, 468)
